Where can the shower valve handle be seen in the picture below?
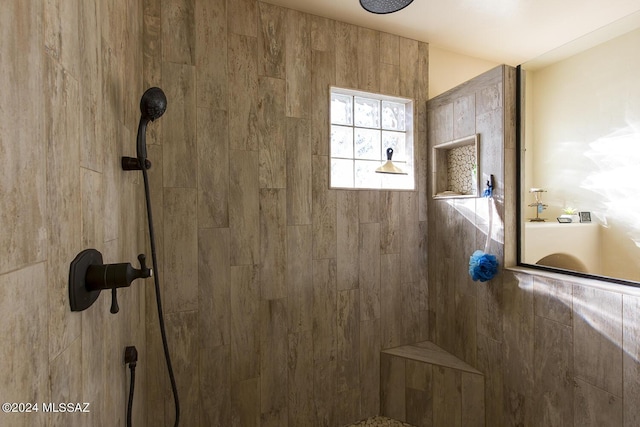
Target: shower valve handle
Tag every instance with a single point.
(130, 275)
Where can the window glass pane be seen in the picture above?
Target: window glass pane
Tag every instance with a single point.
(341, 109)
(367, 144)
(396, 141)
(341, 173)
(365, 174)
(367, 112)
(392, 115)
(341, 141)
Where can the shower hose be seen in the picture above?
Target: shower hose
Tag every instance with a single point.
(163, 333)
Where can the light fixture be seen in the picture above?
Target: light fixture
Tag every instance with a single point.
(384, 6)
(389, 167)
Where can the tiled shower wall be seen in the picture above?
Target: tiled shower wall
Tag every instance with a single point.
(70, 78)
(279, 293)
(554, 351)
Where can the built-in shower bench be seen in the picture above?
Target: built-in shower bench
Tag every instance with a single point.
(424, 385)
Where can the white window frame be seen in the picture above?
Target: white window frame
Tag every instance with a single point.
(362, 174)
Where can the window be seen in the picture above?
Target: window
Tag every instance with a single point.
(363, 126)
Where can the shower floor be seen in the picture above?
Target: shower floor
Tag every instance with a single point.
(380, 421)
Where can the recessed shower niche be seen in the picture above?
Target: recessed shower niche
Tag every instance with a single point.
(455, 168)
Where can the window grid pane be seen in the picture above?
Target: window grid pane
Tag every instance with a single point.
(362, 128)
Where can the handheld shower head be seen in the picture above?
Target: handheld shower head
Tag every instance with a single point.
(153, 104)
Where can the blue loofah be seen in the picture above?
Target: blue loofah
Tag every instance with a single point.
(482, 266)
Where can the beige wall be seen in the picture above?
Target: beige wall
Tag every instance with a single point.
(70, 75)
(449, 69)
(554, 350)
(280, 292)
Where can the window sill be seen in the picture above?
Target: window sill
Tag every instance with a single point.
(627, 289)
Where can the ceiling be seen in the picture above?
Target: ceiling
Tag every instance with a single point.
(502, 31)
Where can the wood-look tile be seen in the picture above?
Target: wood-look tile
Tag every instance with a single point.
(244, 207)
(213, 168)
(298, 64)
(242, 17)
(473, 402)
(490, 303)
(391, 307)
(409, 67)
(631, 360)
(66, 383)
(178, 31)
(26, 378)
(94, 321)
(392, 386)
(595, 407)
(390, 222)
(322, 33)
(180, 281)
(420, 112)
(597, 332)
(490, 364)
(347, 228)
(299, 277)
(271, 40)
(389, 78)
(409, 237)
(245, 323)
(322, 76)
(271, 132)
(517, 348)
(211, 54)
(370, 345)
(151, 7)
(179, 126)
(553, 299)
(324, 390)
(369, 276)
(464, 116)
(419, 393)
(324, 311)
(348, 340)
(298, 171)
(152, 52)
(24, 241)
(243, 89)
(553, 372)
(300, 375)
(182, 333)
(368, 58)
(245, 403)
(274, 354)
(324, 207)
(465, 328)
(273, 243)
(369, 206)
(214, 291)
(389, 49)
(346, 55)
(348, 406)
(215, 385)
(447, 397)
(93, 206)
(62, 217)
(61, 41)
